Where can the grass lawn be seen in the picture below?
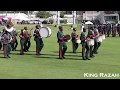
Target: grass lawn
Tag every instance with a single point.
(48, 66)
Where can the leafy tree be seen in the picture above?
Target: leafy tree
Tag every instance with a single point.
(62, 14)
(43, 14)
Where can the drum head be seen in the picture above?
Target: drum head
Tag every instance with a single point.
(45, 32)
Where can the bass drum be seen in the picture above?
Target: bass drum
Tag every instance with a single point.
(99, 39)
(78, 41)
(45, 32)
(90, 42)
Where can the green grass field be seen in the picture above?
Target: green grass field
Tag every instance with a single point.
(48, 66)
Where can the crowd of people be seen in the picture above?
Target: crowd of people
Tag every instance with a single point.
(94, 32)
(9, 42)
(8, 39)
(87, 50)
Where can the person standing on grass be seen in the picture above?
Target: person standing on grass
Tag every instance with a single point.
(27, 42)
(38, 40)
(6, 38)
(91, 36)
(74, 37)
(83, 38)
(96, 34)
(22, 42)
(118, 29)
(14, 42)
(0, 41)
(62, 43)
(114, 28)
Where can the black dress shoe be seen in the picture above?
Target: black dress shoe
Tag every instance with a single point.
(88, 59)
(84, 58)
(60, 58)
(92, 56)
(95, 52)
(63, 57)
(8, 56)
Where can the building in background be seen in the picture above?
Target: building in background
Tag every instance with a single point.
(102, 16)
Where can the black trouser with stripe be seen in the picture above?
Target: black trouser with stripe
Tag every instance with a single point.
(62, 49)
(22, 41)
(85, 53)
(95, 46)
(74, 46)
(14, 44)
(99, 44)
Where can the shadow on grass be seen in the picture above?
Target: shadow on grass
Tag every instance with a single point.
(66, 52)
(67, 58)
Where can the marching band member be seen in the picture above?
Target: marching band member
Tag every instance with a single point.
(27, 43)
(0, 41)
(85, 55)
(38, 40)
(6, 37)
(96, 34)
(91, 36)
(114, 30)
(62, 43)
(22, 42)
(74, 37)
(118, 29)
(14, 42)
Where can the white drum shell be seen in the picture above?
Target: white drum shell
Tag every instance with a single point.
(90, 42)
(78, 41)
(100, 39)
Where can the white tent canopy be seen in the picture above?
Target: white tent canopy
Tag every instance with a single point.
(20, 17)
(88, 22)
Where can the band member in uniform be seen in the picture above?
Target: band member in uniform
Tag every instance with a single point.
(118, 28)
(6, 38)
(62, 43)
(22, 41)
(0, 41)
(96, 34)
(74, 37)
(114, 30)
(108, 29)
(14, 42)
(1, 35)
(38, 40)
(27, 39)
(91, 36)
(85, 55)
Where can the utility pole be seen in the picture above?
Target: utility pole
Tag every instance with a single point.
(28, 14)
(58, 17)
(74, 17)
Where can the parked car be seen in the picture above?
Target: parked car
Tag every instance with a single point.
(45, 22)
(23, 22)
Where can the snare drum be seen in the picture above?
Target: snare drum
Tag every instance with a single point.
(78, 41)
(90, 42)
(45, 32)
(99, 39)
